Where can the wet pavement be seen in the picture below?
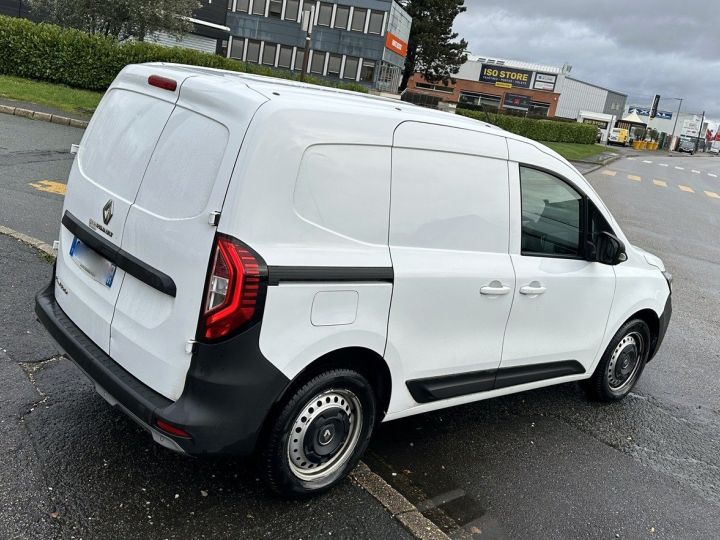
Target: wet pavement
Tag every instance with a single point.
(546, 463)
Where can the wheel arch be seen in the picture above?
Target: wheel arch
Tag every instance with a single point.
(365, 361)
(649, 317)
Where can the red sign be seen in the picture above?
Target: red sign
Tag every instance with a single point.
(396, 45)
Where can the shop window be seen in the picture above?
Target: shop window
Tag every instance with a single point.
(351, 68)
(367, 74)
(358, 20)
(269, 54)
(539, 109)
(342, 16)
(376, 22)
(292, 9)
(242, 5)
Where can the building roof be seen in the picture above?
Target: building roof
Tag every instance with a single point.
(515, 64)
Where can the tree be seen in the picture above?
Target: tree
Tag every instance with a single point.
(433, 49)
(121, 19)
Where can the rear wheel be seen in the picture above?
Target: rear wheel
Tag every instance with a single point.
(622, 363)
(319, 434)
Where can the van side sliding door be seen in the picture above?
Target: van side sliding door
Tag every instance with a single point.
(454, 281)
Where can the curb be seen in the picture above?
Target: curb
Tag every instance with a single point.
(398, 506)
(600, 165)
(29, 240)
(43, 116)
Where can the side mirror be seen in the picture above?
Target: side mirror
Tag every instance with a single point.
(609, 249)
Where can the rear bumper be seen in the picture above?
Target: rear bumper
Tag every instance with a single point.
(229, 391)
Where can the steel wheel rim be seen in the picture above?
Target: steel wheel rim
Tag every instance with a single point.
(625, 361)
(319, 428)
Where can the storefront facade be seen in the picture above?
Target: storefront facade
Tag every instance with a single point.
(498, 85)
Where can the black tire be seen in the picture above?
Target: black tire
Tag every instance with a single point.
(324, 413)
(622, 363)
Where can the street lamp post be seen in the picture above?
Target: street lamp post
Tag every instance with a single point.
(308, 21)
(672, 135)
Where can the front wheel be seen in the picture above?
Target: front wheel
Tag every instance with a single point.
(319, 433)
(622, 363)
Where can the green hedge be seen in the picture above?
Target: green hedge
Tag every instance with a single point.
(538, 130)
(51, 53)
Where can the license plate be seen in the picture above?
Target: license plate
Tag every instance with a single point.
(96, 266)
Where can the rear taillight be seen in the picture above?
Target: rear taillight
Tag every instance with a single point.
(234, 289)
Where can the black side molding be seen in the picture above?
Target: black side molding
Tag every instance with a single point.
(449, 386)
(279, 274)
(436, 388)
(121, 258)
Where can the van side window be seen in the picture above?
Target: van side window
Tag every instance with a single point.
(551, 216)
(448, 201)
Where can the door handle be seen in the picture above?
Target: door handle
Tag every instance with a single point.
(533, 289)
(495, 288)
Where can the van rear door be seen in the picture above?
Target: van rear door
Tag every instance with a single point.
(104, 180)
(169, 229)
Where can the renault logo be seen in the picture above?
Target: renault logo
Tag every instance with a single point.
(108, 212)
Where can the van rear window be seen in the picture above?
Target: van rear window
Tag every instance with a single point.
(183, 168)
(119, 142)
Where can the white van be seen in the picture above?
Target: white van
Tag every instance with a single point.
(250, 265)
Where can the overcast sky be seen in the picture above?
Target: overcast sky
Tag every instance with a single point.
(638, 47)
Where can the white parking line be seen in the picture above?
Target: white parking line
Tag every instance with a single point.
(631, 159)
(696, 172)
(646, 161)
(679, 168)
(664, 165)
(713, 175)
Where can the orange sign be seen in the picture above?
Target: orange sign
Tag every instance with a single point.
(396, 45)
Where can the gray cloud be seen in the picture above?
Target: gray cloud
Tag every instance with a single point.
(639, 48)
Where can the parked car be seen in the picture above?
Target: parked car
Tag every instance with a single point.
(255, 266)
(619, 137)
(686, 146)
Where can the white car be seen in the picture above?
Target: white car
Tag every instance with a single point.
(249, 265)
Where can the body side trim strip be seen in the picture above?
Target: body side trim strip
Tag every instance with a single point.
(132, 265)
(455, 385)
(282, 274)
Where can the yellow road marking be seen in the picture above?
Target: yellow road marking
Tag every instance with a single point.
(661, 183)
(687, 188)
(609, 173)
(635, 178)
(712, 195)
(51, 187)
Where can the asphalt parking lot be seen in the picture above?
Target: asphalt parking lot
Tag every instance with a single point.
(541, 464)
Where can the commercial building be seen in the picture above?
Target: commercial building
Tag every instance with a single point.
(687, 125)
(364, 41)
(577, 96)
(496, 84)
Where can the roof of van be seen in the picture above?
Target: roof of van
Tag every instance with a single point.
(267, 86)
